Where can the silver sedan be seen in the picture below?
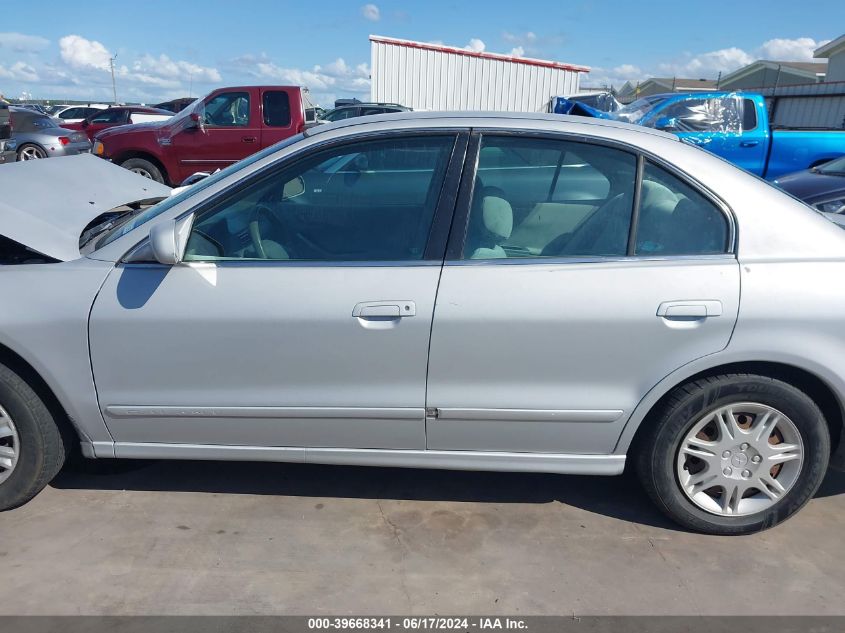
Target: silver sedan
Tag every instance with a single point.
(464, 291)
(39, 136)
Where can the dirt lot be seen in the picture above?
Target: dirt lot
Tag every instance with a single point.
(232, 538)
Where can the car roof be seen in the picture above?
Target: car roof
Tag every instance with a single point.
(410, 118)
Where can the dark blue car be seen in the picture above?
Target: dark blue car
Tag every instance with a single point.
(822, 187)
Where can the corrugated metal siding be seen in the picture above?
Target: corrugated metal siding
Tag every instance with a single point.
(441, 80)
(809, 105)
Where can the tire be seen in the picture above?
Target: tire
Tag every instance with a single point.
(35, 437)
(696, 465)
(29, 151)
(144, 168)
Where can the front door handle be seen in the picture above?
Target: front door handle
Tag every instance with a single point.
(749, 143)
(384, 309)
(690, 309)
(248, 139)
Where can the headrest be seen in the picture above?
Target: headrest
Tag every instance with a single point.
(654, 193)
(498, 216)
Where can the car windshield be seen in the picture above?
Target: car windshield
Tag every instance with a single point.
(133, 221)
(636, 110)
(835, 167)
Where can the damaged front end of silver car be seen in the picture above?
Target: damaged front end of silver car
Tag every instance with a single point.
(48, 208)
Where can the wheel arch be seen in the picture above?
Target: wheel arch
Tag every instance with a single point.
(137, 153)
(814, 385)
(34, 144)
(70, 431)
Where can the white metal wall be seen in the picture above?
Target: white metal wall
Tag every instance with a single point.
(426, 79)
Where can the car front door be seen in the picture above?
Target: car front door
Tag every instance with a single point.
(301, 313)
(553, 319)
(230, 131)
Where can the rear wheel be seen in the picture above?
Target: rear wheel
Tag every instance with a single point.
(32, 448)
(29, 151)
(734, 454)
(143, 168)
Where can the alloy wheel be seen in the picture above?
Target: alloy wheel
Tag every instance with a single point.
(740, 459)
(32, 153)
(9, 446)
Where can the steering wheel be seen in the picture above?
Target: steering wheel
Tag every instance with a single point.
(262, 210)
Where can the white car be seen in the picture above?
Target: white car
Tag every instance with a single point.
(76, 113)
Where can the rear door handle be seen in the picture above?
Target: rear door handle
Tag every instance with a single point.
(248, 139)
(691, 309)
(749, 143)
(384, 309)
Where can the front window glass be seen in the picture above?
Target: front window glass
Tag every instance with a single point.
(718, 114)
(228, 109)
(367, 201)
(133, 222)
(549, 198)
(675, 219)
(110, 116)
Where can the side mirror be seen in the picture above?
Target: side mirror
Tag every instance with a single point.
(666, 123)
(293, 188)
(195, 121)
(168, 239)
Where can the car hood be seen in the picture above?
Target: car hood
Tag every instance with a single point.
(812, 186)
(46, 204)
(128, 128)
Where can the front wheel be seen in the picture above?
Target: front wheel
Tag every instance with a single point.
(734, 454)
(143, 168)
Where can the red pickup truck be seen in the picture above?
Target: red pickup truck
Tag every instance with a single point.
(222, 128)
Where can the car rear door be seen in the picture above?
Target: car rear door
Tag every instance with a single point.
(301, 315)
(553, 317)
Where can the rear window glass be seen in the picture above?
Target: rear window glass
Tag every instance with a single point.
(26, 122)
(749, 115)
(276, 108)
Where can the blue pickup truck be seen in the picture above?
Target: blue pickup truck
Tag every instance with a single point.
(733, 125)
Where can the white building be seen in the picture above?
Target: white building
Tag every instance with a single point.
(433, 77)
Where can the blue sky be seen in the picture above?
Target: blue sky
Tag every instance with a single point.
(166, 49)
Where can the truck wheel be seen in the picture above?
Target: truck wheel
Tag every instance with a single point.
(32, 448)
(143, 168)
(734, 454)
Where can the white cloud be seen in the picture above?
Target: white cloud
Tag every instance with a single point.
(78, 52)
(166, 68)
(797, 50)
(326, 83)
(21, 43)
(726, 60)
(476, 45)
(19, 71)
(616, 76)
(517, 51)
(371, 12)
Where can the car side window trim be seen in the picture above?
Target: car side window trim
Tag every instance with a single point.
(435, 248)
(458, 234)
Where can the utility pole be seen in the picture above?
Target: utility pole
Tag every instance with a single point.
(113, 85)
